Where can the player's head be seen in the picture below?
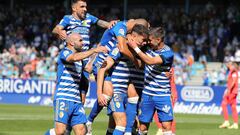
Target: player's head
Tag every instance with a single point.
(75, 40)
(140, 34)
(232, 65)
(156, 36)
(79, 8)
(141, 21)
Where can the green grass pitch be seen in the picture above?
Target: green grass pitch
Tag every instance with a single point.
(35, 120)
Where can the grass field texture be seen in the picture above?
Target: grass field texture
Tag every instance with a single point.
(35, 120)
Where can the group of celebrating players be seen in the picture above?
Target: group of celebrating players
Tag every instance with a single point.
(132, 66)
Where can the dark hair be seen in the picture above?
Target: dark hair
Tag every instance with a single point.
(157, 32)
(140, 30)
(75, 1)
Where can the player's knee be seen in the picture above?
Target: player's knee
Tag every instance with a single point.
(60, 131)
(224, 103)
(167, 126)
(80, 130)
(133, 100)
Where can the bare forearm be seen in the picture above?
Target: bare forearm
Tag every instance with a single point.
(103, 24)
(89, 65)
(100, 79)
(82, 55)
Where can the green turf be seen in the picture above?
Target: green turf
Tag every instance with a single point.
(35, 120)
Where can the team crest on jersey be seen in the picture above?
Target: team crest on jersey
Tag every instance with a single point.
(118, 104)
(61, 114)
(65, 53)
(121, 31)
(84, 23)
(139, 111)
(166, 108)
(115, 52)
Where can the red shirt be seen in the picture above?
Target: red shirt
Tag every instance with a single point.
(233, 75)
(173, 85)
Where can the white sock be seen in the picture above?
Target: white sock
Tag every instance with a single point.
(167, 133)
(52, 131)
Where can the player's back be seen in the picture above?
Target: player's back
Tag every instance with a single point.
(109, 40)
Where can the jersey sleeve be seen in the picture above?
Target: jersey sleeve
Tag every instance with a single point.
(167, 57)
(120, 30)
(65, 21)
(65, 54)
(93, 19)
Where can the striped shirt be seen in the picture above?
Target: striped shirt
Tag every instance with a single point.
(109, 40)
(156, 83)
(72, 25)
(68, 78)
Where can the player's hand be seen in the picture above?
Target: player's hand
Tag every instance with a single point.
(168, 74)
(132, 43)
(137, 63)
(101, 49)
(62, 34)
(104, 64)
(112, 23)
(102, 100)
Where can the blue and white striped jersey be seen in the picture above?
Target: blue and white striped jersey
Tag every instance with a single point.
(121, 75)
(82, 27)
(68, 78)
(109, 40)
(156, 83)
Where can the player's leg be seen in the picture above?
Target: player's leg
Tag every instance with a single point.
(107, 91)
(158, 123)
(173, 122)
(62, 110)
(146, 112)
(131, 108)
(111, 125)
(233, 103)
(118, 112)
(78, 119)
(79, 129)
(224, 104)
(165, 113)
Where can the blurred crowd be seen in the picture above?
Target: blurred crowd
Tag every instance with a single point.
(206, 33)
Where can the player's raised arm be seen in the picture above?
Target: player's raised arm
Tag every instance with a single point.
(60, 32)
(105, 24)
(74, 40)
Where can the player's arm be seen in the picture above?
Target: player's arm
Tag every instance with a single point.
(147, 59)
(234, 81)
(105, 24)
(77, 56)
(173, 86)
(108, 63)
(60, 32)
(123, 48)
(89, 65)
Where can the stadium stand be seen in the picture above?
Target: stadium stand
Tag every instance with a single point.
(29, 50)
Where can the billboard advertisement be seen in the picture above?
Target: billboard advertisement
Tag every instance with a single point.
(201, 100)
(191, 99)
